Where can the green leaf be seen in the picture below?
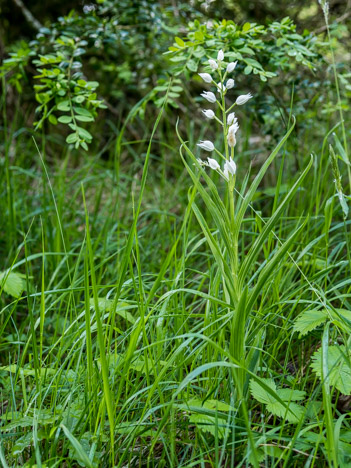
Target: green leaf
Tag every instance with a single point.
(84, 134)
(210, 404)
(199, 36)
(84, 118)
(179, 41)
(192, 65)
(339, 371)
(107, 305)
(116, 360)
(246, 27)
(63, 106)
(82, 111)
(52, 119)
(208, 424)
(309, 320)
(22, 443)
(82, 456)
(292, 412)
(14, 284)
(72, 138)
(65, 119)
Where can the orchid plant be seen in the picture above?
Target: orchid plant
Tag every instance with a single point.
(230, 126)
(243, 281)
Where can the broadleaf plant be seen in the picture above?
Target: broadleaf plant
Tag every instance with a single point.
(290, 411)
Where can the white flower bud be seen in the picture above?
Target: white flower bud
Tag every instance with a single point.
(206, 77)
(230, 84)
(229, 168)
(209, 113)
(206, 145)
(221, 87)
(209, 96)
(234, 127)
(213, 64)
(220, 55)
(213, 164)
(231, 118)
(231, 140)
(231, 66)
(243, 99)
(231, 134)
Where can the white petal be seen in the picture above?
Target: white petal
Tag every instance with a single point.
(240, 100)
(209, 113)
(213, 64)
(231, 117)
(230, 84)
(231, 66)
(206, 77)
(207, 145)
(213, 164)
(209, 96)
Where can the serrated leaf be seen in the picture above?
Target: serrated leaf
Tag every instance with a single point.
(292, 412)
(293, 415)
(309, 320)
(288, 394)
(208, 424)
(14, 283)
(261, 394)
(210, 404)
(338, 367)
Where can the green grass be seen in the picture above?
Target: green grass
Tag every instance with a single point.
(125, 340)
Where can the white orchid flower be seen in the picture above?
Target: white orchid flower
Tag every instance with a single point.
(209, 113)
(213, 64)
(231, 66)
(240, 100)
(213, 164)
(206, 77)
(207, 145)
(230, 84)
(209, 96)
